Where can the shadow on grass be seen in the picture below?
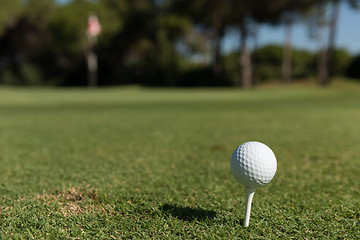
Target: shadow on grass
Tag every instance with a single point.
(187, 213)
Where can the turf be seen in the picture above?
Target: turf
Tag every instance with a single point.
(131, 162)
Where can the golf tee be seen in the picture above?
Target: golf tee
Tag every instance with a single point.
(249, 196)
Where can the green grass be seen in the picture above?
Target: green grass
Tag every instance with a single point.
(154, 163)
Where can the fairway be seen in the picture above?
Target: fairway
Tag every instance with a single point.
(148, 163)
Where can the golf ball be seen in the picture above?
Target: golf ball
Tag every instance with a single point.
(253, 164)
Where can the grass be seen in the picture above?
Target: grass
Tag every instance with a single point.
(154, 163)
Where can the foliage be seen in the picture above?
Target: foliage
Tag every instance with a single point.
(9, 12)
(304, 64)
(353, 70)
(340, 62)
(30, 75)
(203, 76)
(69, 22)
(231, 67)
(268, 62)
(39, 12)
(7, 77)
(146, 42)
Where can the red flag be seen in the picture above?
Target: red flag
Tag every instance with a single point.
(94, 27)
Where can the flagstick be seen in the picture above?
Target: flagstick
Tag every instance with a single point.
(249, 196)
(94, 29)
(92, 68)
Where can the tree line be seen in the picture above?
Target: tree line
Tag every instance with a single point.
(167, 42)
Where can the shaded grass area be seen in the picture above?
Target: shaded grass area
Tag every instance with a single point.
(187, 213)
(154, 163)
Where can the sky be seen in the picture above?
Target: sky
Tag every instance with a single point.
(347, 36)
(348, 33)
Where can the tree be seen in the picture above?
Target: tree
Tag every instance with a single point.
(242, 18)
(353, 70)
(334, 17)
(317, 30)
(246, 16)
(319, 22)
(268, 59)
(331, 45)
(212, 17)
(287, 12)
(69, 42)
(68, 24)
(326, 48)
(145, 51)
(9, 11)
(25, 41)
(341, 60)
(217, 17)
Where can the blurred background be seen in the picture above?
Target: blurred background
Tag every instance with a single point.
(177, 42)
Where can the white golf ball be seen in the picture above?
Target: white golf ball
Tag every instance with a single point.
(253, 164)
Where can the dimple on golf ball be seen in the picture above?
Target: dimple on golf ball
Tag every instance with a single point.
(253, 164)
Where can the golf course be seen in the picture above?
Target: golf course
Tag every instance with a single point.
(154, 163)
